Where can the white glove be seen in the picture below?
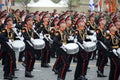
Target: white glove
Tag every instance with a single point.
(41, 35)
(22, 38)
(71, 37)
(33, 26)
(32, 40)
(14, 25)
(63, 47)
(108, 31)
(10, 41)
(19, 34)
(84, 42)
(115, 52)
(88, 37)
(94, 33)
(75, 40)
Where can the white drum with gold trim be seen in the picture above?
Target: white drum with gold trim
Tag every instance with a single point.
(18, 45)
(89, 46)
(72, 48)
(38, 44)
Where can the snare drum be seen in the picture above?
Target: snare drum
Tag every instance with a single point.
(72, 48)
(89, 46)
(18, 45)
(38, 44)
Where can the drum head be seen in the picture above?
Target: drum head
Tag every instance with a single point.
(18, 44)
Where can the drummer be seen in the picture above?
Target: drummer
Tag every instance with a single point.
(117, 24)
(44, 29)
(113, 43)
(7, 36)
(91, 26)
(29, 37)
(82, 56)
(102, 53)
(61, 63)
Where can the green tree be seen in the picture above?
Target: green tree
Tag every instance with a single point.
(55, 1)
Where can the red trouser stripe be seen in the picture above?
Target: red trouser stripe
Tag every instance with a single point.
(83, 65)
(10, 63)
(63, 69)
(115, 73)
(30, 61)
(101, 61)
(56, 62)
(47, 55)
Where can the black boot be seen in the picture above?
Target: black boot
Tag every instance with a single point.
(55, 70)
(99, 74)
(28, 74)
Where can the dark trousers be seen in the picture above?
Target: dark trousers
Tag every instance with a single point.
(63, 64)
(82, 65)
(114, 66)
(29, 58)
(21, 55)
(102, 60)
(69, 59)
(9, 61)
(45, 56)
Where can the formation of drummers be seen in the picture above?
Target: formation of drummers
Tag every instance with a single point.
(66, 36)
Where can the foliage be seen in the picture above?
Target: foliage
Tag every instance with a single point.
(119, 1)
(55, 1)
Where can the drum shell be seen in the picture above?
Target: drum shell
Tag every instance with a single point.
(38, 44)
(90, 48)
(18, 46)
(72, 50)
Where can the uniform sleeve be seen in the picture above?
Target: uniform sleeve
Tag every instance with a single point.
(25, 35)
(57, 42)
(3, 35)
(107, 41)
(99, 35)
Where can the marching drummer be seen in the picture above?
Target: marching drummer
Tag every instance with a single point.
(61, 63)
(113, 43)
(82, 56)
(29, 37)
(91, 26)
(117, 24)
(102, 53)
(7, 36)
(44, 29)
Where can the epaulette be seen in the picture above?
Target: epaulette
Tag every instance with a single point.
(41, 25)
(4, 30)
(87, 23)
(97, 31)
(14, 18)
(108, 37)
(23, 30)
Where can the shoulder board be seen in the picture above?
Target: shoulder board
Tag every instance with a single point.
(97, 31)
(23, 30)
(107, 37)
(88, 23)
(41, 25)
(4, 30)
(14, 18)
